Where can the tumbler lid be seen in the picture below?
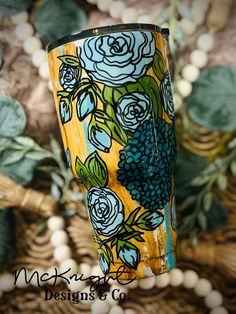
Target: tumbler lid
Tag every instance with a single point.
(107, 30)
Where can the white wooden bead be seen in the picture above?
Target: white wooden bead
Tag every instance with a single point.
(59, 237)
(85, 270)
(199, 58)
(104, 5)
(147, 283)
(67, 264)
(190, 279)
(203, 287)
(198, 17)
(32, 44)
(52, 272)
(214, 299)
(163, 280)
(96, 271)
(205, 42)
(44, 71)
(21, 279)
(116, 9)
(92, 1)
(20, 18)
(200, 5)
(119, 288)
(6, 282)
(129, 15)
(219, 310)
(76, 285)
(133, 284)
(38, 57)
(100, 307)
(190, 72)
(24, 31)
(61, 253)
(184, 87)
(37, 274)
(188, 27)
(176, 277)
(129, 311)
(56, 223)
(144, 19)
(110, 300)
(178, 102)
(86, 292)
(116, 309)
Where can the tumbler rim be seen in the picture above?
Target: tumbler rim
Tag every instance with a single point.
(107, 30)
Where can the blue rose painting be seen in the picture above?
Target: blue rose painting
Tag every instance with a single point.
(119, 58)
(106, 211)
(133, 109)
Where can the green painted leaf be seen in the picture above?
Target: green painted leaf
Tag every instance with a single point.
(132, 216)
(131, 235)
(159, 65)
(12, 117)
(146, 84)
(211, 103)
(188, 166)
(62, 93)
(57, 18)
(12, 7)
(97, 168)
(7, 237)
(70, 60)
(82, 173)
(21, 171)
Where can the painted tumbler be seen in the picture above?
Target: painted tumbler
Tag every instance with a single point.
(114, 103)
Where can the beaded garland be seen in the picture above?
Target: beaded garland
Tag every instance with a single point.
(189, 279)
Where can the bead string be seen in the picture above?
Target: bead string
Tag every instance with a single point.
(63, 256)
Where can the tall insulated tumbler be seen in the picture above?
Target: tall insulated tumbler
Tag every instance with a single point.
(114, 103)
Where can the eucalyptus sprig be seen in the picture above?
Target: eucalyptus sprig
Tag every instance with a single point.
(202, 202)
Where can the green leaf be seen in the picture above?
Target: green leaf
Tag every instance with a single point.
(200, 180)
(1, 54)
(21, 171)
(55, 191)
(34, 155)
(12, 7)
(222, 182)
(188, 166)
(84, 174)
(202, 220)
(97, 168)
(57, 18)
(12, 117)
(7, 237)
(131, 235)
(63, 93)
(16, 156)
(216, 216)
(70, 60)
(55, 146)
(57, 179)
(207, 200)
(132, 216)
(25, 141)
(159, 65)
(184, 10)
(211, 102)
